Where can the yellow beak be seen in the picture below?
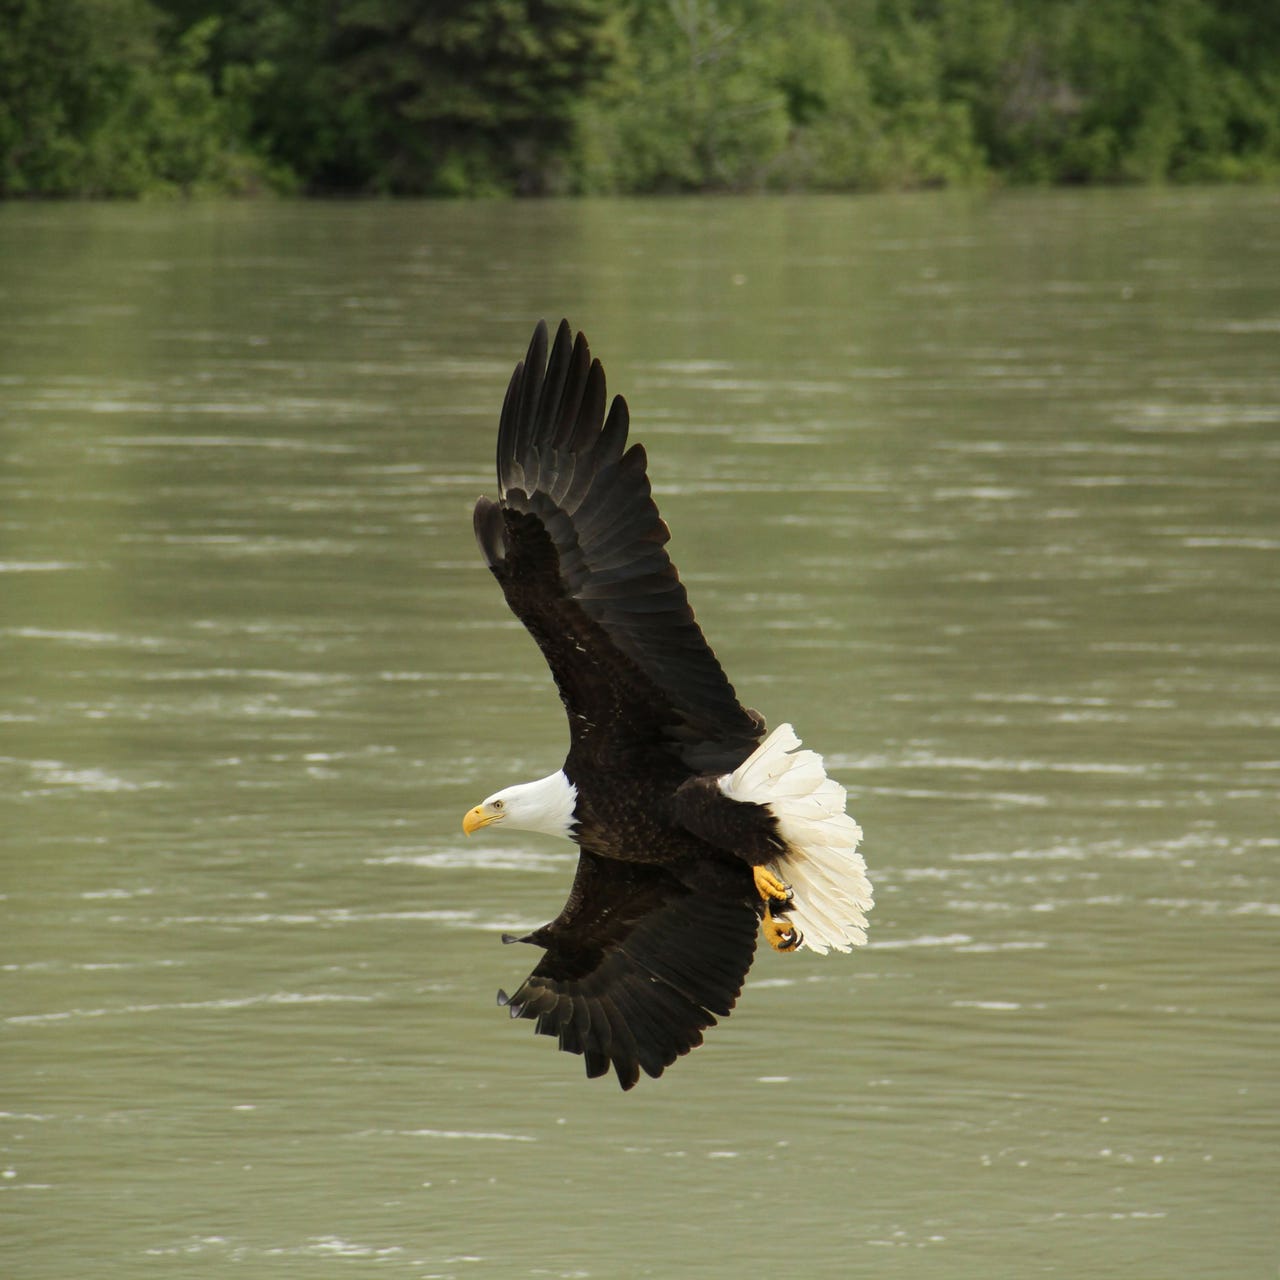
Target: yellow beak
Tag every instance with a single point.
(477, 818)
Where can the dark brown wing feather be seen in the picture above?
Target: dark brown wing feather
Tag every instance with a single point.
(578, 545)
(637, 966)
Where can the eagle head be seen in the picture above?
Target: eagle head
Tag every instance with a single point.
(546, 805)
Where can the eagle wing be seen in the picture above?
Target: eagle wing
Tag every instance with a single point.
(637, 965)
(579, 548)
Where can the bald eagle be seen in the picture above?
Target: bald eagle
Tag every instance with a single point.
(696, 828)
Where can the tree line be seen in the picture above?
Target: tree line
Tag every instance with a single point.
(127, 98)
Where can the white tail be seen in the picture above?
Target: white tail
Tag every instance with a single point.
(827, 874)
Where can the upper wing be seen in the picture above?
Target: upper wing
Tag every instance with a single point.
(636, 966)
(579, 548)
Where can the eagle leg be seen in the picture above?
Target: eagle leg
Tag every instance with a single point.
(781, 934)
(769, 887)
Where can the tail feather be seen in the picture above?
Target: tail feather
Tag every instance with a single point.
(827, 874)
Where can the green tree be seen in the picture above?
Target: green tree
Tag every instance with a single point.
(455, 98)
(463, 97)
(94, 102)
(697, 104)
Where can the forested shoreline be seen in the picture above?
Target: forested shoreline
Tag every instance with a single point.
(136, 98)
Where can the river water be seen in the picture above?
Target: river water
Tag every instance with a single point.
(981, 493)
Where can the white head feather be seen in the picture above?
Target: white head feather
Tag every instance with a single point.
(546, 805)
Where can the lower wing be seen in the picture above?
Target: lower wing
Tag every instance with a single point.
(637, 965)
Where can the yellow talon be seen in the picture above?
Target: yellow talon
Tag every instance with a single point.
(769, 887)
(781, 935)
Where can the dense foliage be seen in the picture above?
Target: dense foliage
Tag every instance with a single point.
(133, 97)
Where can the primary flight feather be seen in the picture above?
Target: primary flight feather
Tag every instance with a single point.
(696, 828)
